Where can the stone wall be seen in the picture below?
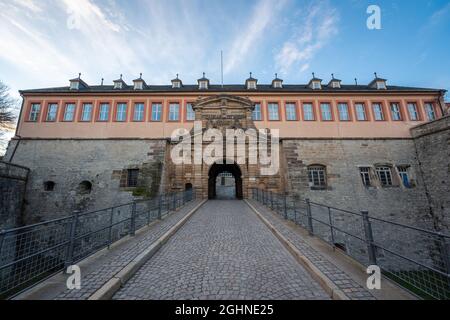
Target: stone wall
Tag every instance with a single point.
(103, 163)
(13, 180)
(432, 142)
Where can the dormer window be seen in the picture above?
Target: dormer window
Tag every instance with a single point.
(378, 83)
(251, 83)
(77, 83)
(119, 84)
(139, 83)
(277, 83)
(203, 83)
(315, 83)
(74, 85)
(176, 83)
(334, 83)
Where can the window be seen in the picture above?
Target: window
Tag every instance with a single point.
(203, 85)
(365, 176)
(69, 112)
(385, 176)
(138, 85)
(381, 85)
(412, 110)
(174, 112)
(257, 115)
(52, 110)
(316, 85)
(344, 115)
(273, 112)
(317, 177)
(121, 112)
(156, 111)
(85, 187)
(291, 112)
(325, 108)
(132, 178)
(308, 112)
(34, 112)
(49, 186)
(86, 112)
(190, 113)
(360, 112)
(176, 84)
(378, 111)
(74, 85)
(429, 109)
(277, 84)
(104, 112)
(138, 112)
(404, 175)
(395, 111)
(251, 85)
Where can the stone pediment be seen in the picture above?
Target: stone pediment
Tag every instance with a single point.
(220, 101)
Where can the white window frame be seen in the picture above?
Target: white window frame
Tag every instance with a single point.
(52, 112)
(412, 111)
(395, 111)
(325, 110)
(430, 111)
(174, 112)
(86, 112)
(251, 85)
(121, 112)
(190, 113)
(274, 110)
(308, 112)
(103, 115)
(364, 172)
(69, 114)
(139, 112)
(257, 112)
(203, 85)
(361, 107)
(34, 112)
(317, 176)
(316, 85)
(384, 173)
(378, 111)
(156, 112)
(341, 112)
(291, 111)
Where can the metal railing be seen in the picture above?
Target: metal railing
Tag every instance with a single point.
(415, 258)
(35, 252)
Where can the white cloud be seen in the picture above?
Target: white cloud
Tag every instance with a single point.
(264, 14)
(319, 26)
(30, 5)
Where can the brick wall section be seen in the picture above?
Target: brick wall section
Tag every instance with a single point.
(101, 162)
(13, 181)
(433, 150)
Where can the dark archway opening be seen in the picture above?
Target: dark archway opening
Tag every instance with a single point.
(188, 186)
(218, 169)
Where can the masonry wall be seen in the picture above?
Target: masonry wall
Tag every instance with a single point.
(103, 163)
(345, 190)
(432, 142)
(13, 180)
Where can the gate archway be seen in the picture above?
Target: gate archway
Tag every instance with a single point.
(217, 169)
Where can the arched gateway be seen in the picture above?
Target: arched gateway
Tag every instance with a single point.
(220, 112)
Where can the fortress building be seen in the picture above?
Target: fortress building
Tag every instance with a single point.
(376, 147)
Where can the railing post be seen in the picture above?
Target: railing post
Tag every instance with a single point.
(271, 200)
(330, 219)
(369, 238)
(133, 219)
(111, 220)
(310, 221)
(444, 248)
(285, 206)
(70, 249)
(159, 207)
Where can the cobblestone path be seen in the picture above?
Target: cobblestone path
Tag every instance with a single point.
(223, 252)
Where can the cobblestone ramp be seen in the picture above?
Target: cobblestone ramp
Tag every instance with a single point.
(223, 252)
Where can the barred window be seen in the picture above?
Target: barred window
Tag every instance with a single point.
(365, 176)
(385, 176)
(132, 178)
(317, 176)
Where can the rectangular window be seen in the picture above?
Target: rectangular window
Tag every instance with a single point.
(317, 177)
(121, 112)
(404, 176)
(104, 112)
(273, 112)
(308, 112)
(385, 176)
(429, 109)
(291, 112)
(34, 112)
(69, 112)
(361, 112)
(325, 108)
(412, 110)
(190, 113)
(86, 113)
(132, 178)
(174, 112)
(395, 111)
(257, 115)
(344, 115)
(52, 110)
(156, 111)
(138, 112)
(378, 111)
(365, 176)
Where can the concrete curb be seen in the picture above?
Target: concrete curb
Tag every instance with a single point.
(329, 286)
(107, 291)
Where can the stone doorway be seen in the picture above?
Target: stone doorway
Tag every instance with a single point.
(228, 171)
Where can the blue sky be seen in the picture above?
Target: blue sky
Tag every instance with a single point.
(46, 42)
